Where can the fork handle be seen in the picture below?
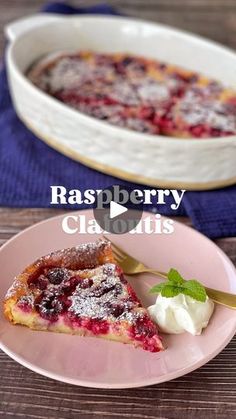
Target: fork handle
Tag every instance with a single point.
(157, 273)
(219, 297)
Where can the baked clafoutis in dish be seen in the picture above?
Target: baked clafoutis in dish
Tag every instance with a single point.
(81, 291)
(140, 94)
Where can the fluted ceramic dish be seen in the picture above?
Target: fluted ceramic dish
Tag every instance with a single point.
(153, 160)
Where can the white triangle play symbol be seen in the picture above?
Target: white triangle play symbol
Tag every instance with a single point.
(116, 209)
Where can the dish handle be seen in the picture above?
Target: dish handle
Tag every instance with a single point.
(14, 29)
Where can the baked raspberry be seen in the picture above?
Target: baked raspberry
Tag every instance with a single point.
(57, 275)
(41, 282)
(49, 306)
(25, 304)
(117, 309)
(69, 285)
(97, 326)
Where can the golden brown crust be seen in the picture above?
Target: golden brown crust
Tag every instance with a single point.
(85, 256)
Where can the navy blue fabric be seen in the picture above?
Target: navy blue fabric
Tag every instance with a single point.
(101, 9)
(29, 167)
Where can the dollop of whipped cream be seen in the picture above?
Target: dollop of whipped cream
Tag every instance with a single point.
(181, 314)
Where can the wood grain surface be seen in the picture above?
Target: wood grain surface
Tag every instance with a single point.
(209, 392)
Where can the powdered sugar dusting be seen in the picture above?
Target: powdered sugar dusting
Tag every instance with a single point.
(106, 299)
(71, 73)
(123, 92)
(27, 300)
(153, 92)
(197, 110)
(17, 284)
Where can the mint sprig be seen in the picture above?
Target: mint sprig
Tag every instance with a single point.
(176, 284)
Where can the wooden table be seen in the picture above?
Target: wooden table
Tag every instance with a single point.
(208, 392)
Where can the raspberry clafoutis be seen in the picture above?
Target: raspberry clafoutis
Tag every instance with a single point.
(138, 93)
(81, 291)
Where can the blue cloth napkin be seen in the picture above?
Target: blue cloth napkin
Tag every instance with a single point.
(29, 167)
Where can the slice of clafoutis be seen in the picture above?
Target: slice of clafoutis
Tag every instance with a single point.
(81, 291)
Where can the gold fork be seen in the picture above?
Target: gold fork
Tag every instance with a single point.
(132, 266)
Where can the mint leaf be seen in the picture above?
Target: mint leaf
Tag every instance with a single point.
(174, 276)
(171, 291)
(157, 288)
(176, 285)
(195, 290)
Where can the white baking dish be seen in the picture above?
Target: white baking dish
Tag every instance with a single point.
(153, 160)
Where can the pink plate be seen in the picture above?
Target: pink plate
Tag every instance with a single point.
(98, 363)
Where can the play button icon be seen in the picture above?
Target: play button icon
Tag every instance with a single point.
(117, 209)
